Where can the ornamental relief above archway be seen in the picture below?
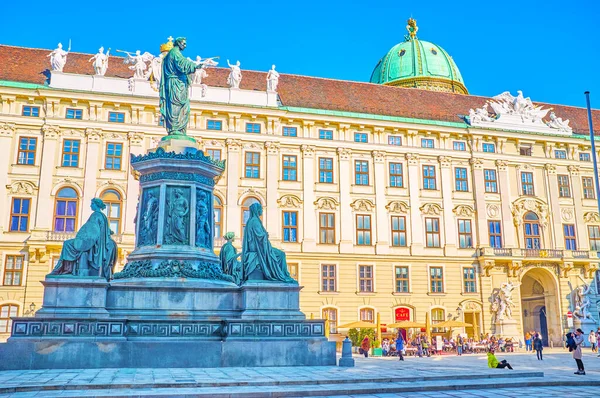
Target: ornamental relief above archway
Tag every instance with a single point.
(522, 206)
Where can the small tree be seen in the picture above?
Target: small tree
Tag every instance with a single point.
(358, 335)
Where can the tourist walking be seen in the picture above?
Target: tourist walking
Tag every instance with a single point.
(365, 346)
(538, 346)
(574, 342)
(593, 339)
(527, 342)
(459, 345)
(494, 363)
(400, 346)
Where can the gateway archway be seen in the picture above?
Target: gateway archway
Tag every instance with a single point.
(539, 304)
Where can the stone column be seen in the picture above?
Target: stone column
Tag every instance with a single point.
(480, 209)
(136, 147)
(233, 125)
(556, 222)
(382, 245)
(309, 227)
(273, 219)
(582, 233)
(43, 219)
(450, 225)
(233, 218)
(346, 220)
(508, 228)
(416, 222)
(90, 184)
(7, 132)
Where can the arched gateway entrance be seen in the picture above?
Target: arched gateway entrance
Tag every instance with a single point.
(539, 304)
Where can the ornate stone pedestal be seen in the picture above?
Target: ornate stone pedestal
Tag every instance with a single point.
(79, 297)
(585, 324)
(508, 328)
(270, 300)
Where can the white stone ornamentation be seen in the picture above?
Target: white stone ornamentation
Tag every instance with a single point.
(58, 58)
(21, 188)
(362, 205)
(272, 80)
(567, 214)
(431, 209)
(583, 302)
(100, 63)
(397, 206)
(463, 211)
(137, 63)
(326, 203)
(290, 201)
(591, 217)
(492, 210)
(235, 76)
(558, 123)
(502, 303)
(522, 206)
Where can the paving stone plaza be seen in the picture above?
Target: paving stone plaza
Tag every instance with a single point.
(447, 375)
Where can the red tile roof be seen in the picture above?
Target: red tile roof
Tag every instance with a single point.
(31, 65)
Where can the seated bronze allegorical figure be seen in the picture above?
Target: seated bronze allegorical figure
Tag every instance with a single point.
(92, 252)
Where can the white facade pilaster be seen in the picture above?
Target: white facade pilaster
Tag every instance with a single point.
(310, 235)
(43, 221)
(382, 245)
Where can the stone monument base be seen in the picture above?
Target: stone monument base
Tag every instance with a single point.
(508, 328)
(585, 324)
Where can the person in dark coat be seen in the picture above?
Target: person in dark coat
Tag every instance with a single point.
(538, 346)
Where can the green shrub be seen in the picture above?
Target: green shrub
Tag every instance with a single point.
(357, 336)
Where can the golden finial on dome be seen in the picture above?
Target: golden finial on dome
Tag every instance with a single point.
(167, 46)
(412, 28)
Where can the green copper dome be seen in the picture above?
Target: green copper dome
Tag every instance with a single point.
(419, 64)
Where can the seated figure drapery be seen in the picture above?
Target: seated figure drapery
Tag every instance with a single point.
(229, 259)
(92, 252)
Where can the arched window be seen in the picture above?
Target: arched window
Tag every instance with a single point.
(6, 312)
(367, 315)
(331, 315)
(437, 315)
(65, 213)
(112, 200)
(532, 230)
(246, 210)
(218, 208)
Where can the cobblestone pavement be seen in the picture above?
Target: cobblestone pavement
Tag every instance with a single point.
(531, 392)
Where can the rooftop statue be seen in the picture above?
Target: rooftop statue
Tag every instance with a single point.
(138, 63)
(272, 79)
(258, 254)
(235, 76)
(100, 62)
(92, 252)
(200, 73)
(505, 103)
(174, 89)
(58, 57)
(229, 258)
(558, 123)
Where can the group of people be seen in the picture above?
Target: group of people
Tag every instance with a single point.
(534, 342)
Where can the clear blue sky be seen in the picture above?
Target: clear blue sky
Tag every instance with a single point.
(549, 49)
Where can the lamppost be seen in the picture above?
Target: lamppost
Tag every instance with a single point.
(31, 310)
(593, 142)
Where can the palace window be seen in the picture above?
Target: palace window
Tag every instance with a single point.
(585, 157)
(74, 113)
(367, 315)
(116, 117)
(363, 230)
(437, 315)
(465, 235)
(432, 232)
(495, 232)
(328, 278)
(395, 140)
(525, 150)
(327, 228)
(293, 270)
(65, 214)
(459, 146)
(290, 132)
(253, 128)
(27, 149)
(429, 178)
(489, 147)
(402, 279)
(331, 315)
(112, 200)
(214, 153)
(470, 286)
(326, 134)
(70, 154)
(246, 210)
(361, 137)
(396, 175)
(218, 210)
(588, 188)
(13, 270)
(399, 231)
(326, 170)
(290, 166)
(19, 215)
(365, 278)
(460, 179)
(361, 172)
(427, 143)
(7, 312)
(114, 153)
(252, 165)
(532, 231)
(31, 111)
(560, 154)
(564, 188)
(491, 181)
(290, 226)
(594, 234)
(570, 239)
(527, 183)
(214, 125)
(436, 279)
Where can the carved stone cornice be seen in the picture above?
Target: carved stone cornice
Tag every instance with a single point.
(550, 168)
(233, 145)
(574, 170)
(463, 211)
(431, 209)
(272, 147)
(327, 203)
(445, 161)
(21, 188)
(378, 156)
(7, 129)
(502, 165)
(397, 206)
(524, 205)
(290, 201)
(476, 163)
(135, 138)
(344, 153)
(308, 151)
(412, 158)
(50, 132)
(93, 135)
(362, 205)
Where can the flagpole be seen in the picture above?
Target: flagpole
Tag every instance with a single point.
(593, 141)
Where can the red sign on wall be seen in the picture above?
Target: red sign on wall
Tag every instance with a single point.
(402, 314)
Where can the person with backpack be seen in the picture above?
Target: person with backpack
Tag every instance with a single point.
(538, 346)
(574, 342)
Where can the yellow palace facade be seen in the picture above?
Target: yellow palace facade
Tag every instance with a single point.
(386, 199)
